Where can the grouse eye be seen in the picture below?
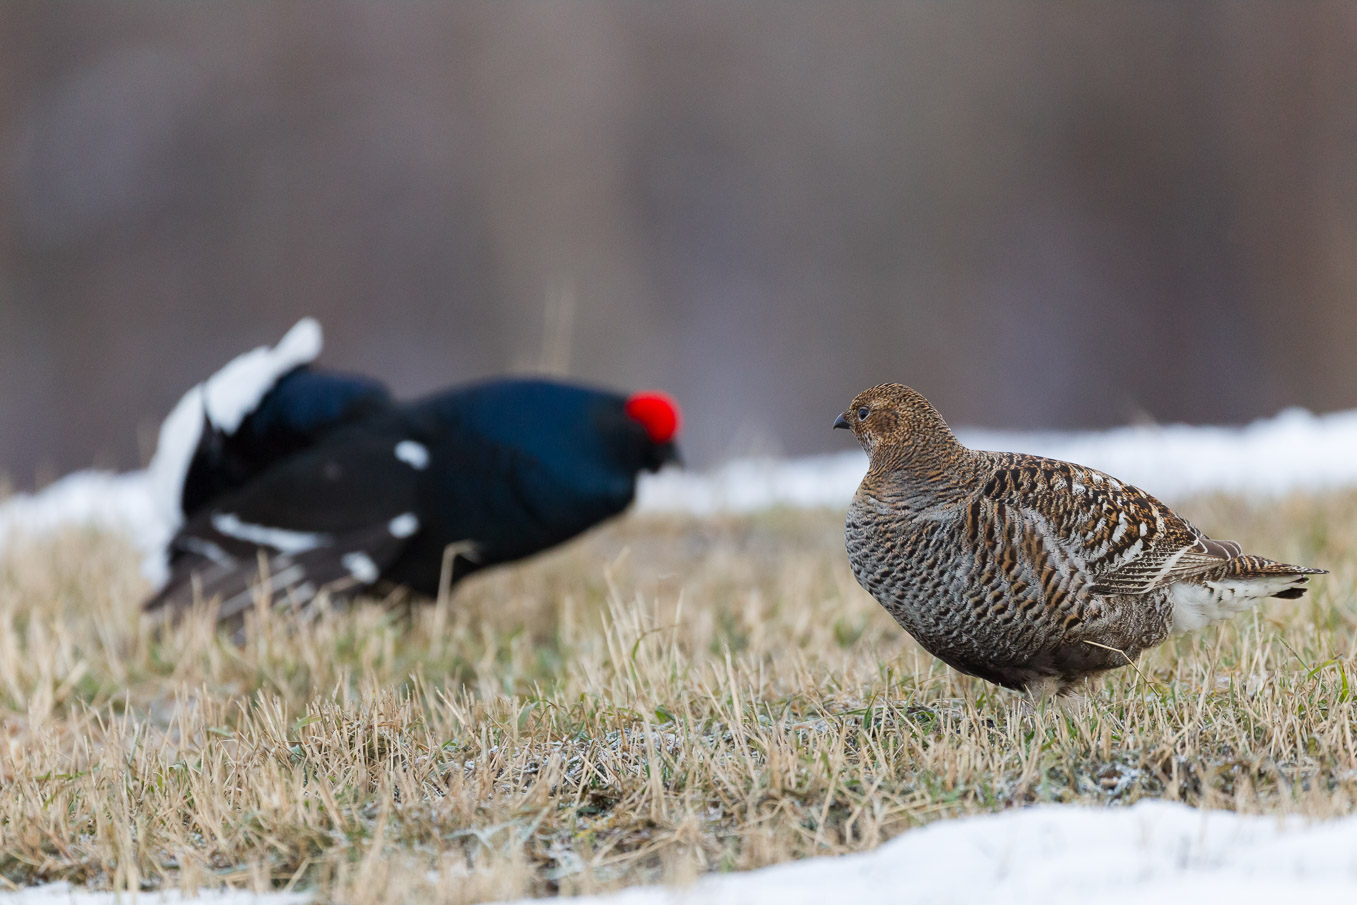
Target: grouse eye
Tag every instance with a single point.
(862, 413)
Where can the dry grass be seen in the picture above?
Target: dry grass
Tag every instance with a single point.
(663, 698)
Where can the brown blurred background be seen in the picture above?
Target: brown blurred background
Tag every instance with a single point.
(1042, 214)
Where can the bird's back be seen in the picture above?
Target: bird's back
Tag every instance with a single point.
(507, 488)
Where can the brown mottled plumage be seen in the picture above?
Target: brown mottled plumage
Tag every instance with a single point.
(1031, 573)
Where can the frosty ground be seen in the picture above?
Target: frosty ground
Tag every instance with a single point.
(698, 688)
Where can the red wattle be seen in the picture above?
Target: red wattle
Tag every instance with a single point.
(657, 412)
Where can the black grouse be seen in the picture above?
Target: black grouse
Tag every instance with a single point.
(286, 480)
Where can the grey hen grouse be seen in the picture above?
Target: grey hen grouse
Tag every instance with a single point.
(1028, 572)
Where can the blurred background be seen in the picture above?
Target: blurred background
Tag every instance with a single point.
(1041, 214)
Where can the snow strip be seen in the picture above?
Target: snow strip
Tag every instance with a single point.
(125, 503)
(65, 894)
(1294, 451)
(1154, 851)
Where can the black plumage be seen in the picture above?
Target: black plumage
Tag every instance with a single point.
(328, 483)
(297, 411)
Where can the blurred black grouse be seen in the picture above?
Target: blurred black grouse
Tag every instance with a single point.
(282, 479)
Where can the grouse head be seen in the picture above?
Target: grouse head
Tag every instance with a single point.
(657, 417)
(896, 421)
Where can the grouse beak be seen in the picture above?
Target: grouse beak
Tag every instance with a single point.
(841, 423)
(660, 455)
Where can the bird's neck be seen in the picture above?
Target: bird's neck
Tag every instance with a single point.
(925, 472)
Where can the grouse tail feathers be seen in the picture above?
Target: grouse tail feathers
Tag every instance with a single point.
(1235, 586)
(218, 405)
(260, 407)
(1267, 572)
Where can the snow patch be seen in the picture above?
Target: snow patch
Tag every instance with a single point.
(747, 485)
(123, 503)
(1293, 451)
(1154, 851)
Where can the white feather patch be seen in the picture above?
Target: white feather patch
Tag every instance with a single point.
(403, 525)
(1198, 604)
(280, 539)
(207, 549)
(234, 391)
(416, 455)
(1120, 530)
(360, 566)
